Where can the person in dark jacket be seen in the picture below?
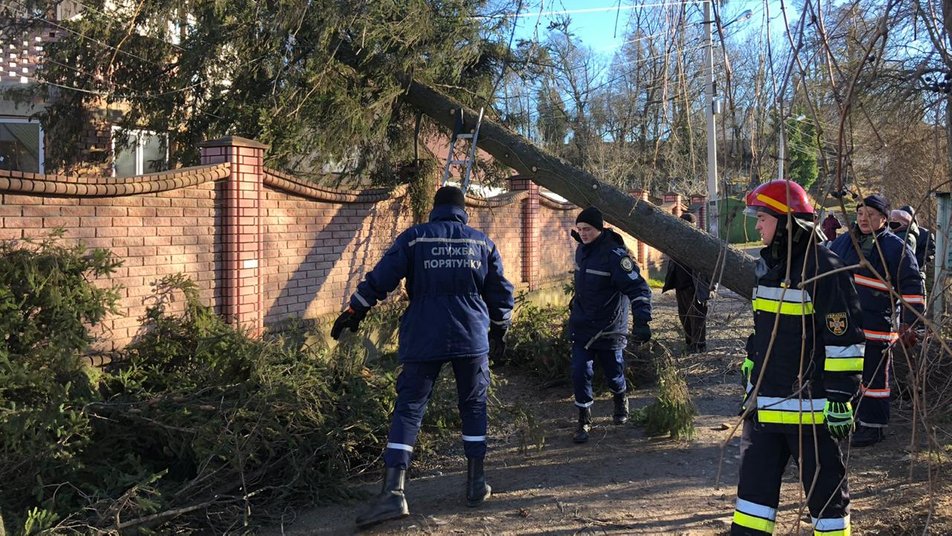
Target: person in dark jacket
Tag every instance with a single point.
(608, 287)
(829, 226)
(692, 292)
(902, 225)
(925, 243)
(892, 273)
(459, 312)
(803, 367)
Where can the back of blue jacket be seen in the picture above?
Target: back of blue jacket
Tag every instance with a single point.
(455, 283)
(608, 285)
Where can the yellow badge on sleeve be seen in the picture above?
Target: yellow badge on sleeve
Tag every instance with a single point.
(837, 323)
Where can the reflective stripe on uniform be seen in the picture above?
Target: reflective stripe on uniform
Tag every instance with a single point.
(845, 358)
(585, 405)
(786, 294)
(775, 410)
(399, 446)
(597, 272)
(361, 299)
(883, 336)
(754, 516)
(876, 393)
(784, 307)
(785, 301)
(914, 298)
(476, 438)
(843, 364)
(870, 282)
(831, 526)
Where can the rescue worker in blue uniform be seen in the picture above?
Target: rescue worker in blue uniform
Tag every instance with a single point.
(608, 287)
(799, 382)
(898, 275)
(459, 312)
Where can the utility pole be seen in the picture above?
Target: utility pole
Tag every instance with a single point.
(711, 109)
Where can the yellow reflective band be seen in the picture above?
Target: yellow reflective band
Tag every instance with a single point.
(770, 416)
(773, 203)
(840, 532)
(784, 308)
(844, 364)
(751, 522)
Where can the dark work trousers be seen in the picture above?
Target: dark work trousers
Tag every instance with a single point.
(612, 363)
(873, 409)
(414, 387)
(763, 458)
(693, 315)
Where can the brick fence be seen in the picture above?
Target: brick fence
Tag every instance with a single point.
(263, 246)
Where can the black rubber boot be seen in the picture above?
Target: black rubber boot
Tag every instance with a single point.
(866, 436)
(621, 408)
(477, 490)
(584, 425)
(389, 504)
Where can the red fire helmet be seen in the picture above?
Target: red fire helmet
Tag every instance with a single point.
(780, 197)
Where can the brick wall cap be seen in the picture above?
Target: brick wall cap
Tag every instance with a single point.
(234, 141)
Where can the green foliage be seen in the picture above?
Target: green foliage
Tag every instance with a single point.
(672, 412)
(194, 424)
(47, 301)
(803, 151)
(282, 73)
(538, 341)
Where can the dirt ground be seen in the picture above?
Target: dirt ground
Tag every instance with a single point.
(623, 482)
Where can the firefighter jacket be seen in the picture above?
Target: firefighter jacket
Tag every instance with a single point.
(901, 274)
(608, 285)
(817, 353)
(455, 283)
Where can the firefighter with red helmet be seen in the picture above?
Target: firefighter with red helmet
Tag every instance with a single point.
(803, 367)
(891, 271)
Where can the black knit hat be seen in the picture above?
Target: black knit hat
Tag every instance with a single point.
(877, 202)
(449, 195)
(591, 216)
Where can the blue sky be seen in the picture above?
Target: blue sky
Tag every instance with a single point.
(600, 24)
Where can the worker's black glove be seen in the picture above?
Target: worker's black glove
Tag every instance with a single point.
(348, 319)
(497, 342)
(641, 331)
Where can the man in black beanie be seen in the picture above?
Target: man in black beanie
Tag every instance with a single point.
(608, 286)
(892, 270)
(460, 307)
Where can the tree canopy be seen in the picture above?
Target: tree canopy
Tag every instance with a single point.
(200, 69)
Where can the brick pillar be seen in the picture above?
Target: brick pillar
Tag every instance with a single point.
(641, 252)
(530, 232)
(701, 202)
(675, 198)
(241, 241)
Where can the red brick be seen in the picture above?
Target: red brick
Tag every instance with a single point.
(17, 199)
(111, 211)
(22, 223)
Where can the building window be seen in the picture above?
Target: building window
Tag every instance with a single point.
(137, 152)
(21, 145)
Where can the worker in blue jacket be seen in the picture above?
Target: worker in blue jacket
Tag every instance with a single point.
(608, 287)
(891, 284)
(459, 312)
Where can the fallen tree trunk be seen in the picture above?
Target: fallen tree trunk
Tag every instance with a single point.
(644, 221)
